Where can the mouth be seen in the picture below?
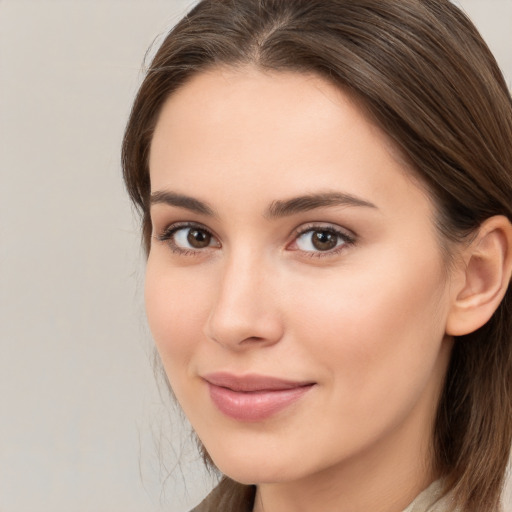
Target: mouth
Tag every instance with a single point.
(253, 398)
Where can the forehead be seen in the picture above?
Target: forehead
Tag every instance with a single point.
(271, 135)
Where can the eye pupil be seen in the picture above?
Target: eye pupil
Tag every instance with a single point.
(198, 238)
(324, 240)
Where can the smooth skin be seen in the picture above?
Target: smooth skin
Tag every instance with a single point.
(351, 292)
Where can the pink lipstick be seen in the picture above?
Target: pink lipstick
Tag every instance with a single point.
(253, 397)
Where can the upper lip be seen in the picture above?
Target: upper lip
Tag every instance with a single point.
(252, 382)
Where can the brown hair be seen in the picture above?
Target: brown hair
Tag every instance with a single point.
(427, 78)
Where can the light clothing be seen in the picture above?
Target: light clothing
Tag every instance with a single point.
(430, 500)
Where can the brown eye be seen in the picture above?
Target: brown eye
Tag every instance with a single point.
(324, 240)
(318, 240)
(198, 238)
(189, 238)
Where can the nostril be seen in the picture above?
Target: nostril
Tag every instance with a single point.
(241, 332)
(253, 339)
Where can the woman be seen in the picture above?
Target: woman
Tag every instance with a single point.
(325, 190)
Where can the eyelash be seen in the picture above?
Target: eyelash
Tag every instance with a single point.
(348, 239)
(168, 236)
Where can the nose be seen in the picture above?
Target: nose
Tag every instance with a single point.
(245, 312)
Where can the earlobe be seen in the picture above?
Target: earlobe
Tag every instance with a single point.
(487, 274)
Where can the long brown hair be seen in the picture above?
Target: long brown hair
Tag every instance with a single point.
(422, 71)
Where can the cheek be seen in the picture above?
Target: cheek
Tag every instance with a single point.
(373, 329)
(177, 308)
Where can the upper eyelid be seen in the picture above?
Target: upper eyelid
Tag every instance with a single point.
(167, 233)
(176, 226)
(317, 226)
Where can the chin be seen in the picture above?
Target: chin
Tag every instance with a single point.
(249, 468)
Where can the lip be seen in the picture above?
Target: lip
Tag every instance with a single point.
(253, 397)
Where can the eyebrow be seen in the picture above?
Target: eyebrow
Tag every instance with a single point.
(277, 209)
(308, 202)
(182, 201)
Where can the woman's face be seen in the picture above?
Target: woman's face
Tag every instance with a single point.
(295, 285)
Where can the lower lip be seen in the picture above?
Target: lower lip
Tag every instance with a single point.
(254, 405)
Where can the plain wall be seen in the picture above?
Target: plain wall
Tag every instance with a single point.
(82, 421)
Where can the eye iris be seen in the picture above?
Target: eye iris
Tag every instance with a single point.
(198, 239)
(324, 240)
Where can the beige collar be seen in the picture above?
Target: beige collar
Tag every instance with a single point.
(432, 500)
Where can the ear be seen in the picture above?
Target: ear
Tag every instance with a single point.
(486, 274)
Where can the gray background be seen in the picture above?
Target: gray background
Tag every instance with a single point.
(82, 422)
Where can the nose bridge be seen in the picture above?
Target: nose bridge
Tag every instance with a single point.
(244, 311)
